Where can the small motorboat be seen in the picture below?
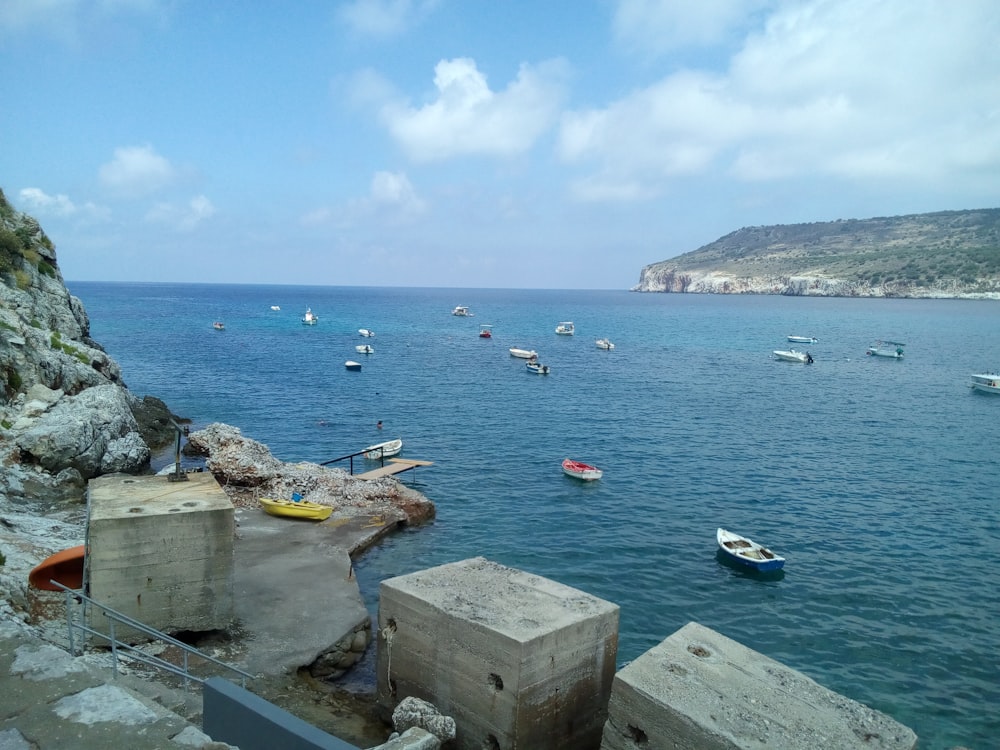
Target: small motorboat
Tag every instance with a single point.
(383, 450)
(803, 339)
(275, 307)
(462, 312)
(580, 470)
(364, 349)
(523, 353)
(65, 567)
(987, 382)
(747, 552)
(536, 367)
(566, 328)
(891, 349)
(605, 344)
(367, 333)
(352, 365)
(296, 508)
(485, 332)
(791, 355)
(310, 318)
(219, 326)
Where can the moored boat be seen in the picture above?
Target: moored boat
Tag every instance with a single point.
(747, 552)
(219, 325)
(604, 344)
(523, 353)
(803, 339)
(352, 365)
(891, 349)
(485, 332)
(987, 382)
(566, 328)
(296, 508)
(310, 318)
(537, 367)
(364, 349)
(383, 450)
(791, 355)
(275, 307)
(580, 470)
(366, 332)
(462, 312)
(65, 567)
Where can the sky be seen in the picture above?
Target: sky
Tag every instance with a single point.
(480, 143)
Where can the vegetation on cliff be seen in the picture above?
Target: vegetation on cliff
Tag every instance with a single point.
(947, 249)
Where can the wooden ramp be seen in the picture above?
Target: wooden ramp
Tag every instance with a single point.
(394, 466)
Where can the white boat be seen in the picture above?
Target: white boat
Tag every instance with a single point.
(604, 344)
(275, 307)
(364, 349)
(462, 312)
(747, 552)
(791, 355)
(352, 365)
(803, 339)
(383, 450)
(580, 470)
(987, 382)
(565, 328)
(310, 318)
(219, 325)
(891, 349)
(537, 367)
(366, 333)
(523, 353)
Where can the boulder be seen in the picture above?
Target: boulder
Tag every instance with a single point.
(413, 712)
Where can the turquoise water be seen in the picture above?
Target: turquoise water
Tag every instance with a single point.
(877, 479)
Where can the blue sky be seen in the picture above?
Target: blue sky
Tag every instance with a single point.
(480, 143)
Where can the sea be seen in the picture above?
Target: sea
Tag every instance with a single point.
(877, 479)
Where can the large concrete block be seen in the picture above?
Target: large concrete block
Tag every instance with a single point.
(519, 661)
(161, 552)
(699, 689)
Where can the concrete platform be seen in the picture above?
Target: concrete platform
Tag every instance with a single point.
(294, 592)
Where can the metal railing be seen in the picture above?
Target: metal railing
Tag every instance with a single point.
(381, 458)
(120, 647)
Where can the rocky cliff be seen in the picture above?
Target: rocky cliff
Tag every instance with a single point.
(65, 413)
(944, 254)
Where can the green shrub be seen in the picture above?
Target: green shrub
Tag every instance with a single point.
(46, 268)
(10, 251)
(23, 279)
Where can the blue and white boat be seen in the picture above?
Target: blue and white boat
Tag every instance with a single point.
(987, 382)
(891, 349)
(747, 552)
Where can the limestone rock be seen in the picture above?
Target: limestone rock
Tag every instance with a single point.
(413, 712)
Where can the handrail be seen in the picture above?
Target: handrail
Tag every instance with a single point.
(351, 456)
(134, 653)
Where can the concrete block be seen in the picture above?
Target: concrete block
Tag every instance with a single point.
(519, 661)
(160, 552)
(699, 689)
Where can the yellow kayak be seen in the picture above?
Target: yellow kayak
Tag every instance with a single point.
(296, 509)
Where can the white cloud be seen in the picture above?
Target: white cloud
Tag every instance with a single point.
(657, 26)
(468, 118)
(383, 18)
(853, 90)
(37, 202)
(182, 218)
(391, 198)
(136, 170)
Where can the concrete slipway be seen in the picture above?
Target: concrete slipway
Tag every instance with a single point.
(294, 597)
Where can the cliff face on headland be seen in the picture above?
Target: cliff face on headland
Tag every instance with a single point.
(949, 254)
(65, 413)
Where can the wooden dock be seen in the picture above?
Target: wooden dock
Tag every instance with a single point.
(394, 466)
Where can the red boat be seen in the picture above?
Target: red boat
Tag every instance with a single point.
(580, 470)
(66, 567)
